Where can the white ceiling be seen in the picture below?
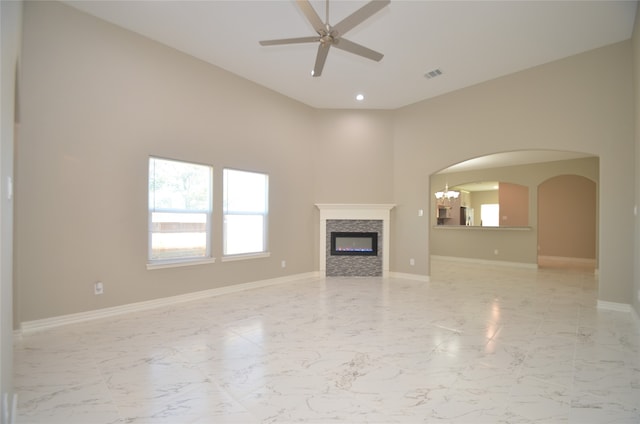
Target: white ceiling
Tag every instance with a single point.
(470, 41)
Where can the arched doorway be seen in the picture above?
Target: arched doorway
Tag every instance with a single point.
(518, 246)
(567, 222)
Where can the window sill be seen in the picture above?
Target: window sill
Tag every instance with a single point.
(176, 264)
(245, 256)
(480, 228)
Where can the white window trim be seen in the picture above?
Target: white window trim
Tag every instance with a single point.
(265, 231)
(182, 262)
(176, 263)
(245, 256)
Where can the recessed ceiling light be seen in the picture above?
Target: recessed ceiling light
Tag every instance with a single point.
(360, 97)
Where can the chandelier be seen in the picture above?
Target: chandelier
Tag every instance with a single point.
(447, 194)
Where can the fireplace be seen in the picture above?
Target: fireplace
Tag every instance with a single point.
(354, 218)
(354, 243)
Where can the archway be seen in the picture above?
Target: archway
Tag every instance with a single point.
(527, 168)
(567, 222)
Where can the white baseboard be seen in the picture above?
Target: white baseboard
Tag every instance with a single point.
(417, 277)
(621, 307)
(636, 318)
(614, 306)
(567, 262)
(485, 262)
(42, 324)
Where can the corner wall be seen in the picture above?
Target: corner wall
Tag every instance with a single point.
(353, 156)
(563, 105)
(10, 36)
(97, 102)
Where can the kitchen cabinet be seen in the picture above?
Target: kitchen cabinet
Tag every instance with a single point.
(450, 212)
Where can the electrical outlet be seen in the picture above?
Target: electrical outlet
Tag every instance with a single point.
(495, 251)
(412, 262)
(98, 288)
(283, 264)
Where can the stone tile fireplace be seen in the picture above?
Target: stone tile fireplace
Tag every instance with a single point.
(356, 220)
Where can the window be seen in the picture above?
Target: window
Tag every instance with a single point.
(490, 215)
(246, 200)
(179, 211)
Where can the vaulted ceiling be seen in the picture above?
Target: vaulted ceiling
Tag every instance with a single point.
(468, 41)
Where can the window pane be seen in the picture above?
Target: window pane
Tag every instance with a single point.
(179, 210)
(490, 215)
(245, 191)
(245, 211)
(244, 234)
(179, 185)
(178, 235)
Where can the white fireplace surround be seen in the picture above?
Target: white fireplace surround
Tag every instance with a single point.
(330, 211)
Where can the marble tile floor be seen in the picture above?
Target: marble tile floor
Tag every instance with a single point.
(477, 344)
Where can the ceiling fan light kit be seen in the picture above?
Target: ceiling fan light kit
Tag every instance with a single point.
(328, 35)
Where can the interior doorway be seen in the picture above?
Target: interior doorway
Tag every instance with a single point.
(567, 223)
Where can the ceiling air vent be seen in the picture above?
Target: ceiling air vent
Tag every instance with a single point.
(433, 74)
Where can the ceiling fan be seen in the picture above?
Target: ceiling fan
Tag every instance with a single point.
(332, 35)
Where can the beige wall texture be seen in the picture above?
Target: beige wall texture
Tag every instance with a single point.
(353, 156)
(567, 217)
(98, 100)
(514, 205)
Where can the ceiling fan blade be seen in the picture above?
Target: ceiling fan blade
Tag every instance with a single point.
(312, 15)
(351, 47)
(315, 38)
(360, 15)
(321, 57)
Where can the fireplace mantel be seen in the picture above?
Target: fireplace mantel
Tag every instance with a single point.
(355, 211)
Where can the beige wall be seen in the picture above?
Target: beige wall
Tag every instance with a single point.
(11, 26)
(635, 295)
(354, 156)
(514, 205)
(97, 102)
(567, 217)
(563, 105)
